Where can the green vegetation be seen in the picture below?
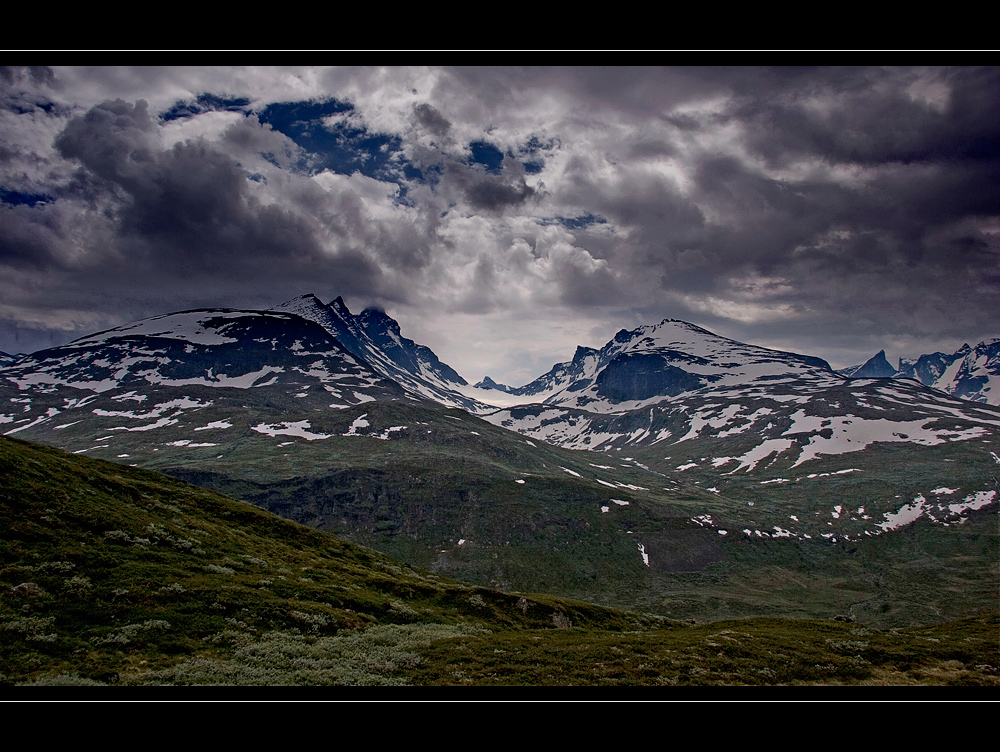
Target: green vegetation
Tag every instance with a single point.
(118, 576)
(754, 652)
(438, 489)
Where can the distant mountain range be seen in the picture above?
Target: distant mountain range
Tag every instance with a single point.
(698, 444)
(671, 381)
(969, 373)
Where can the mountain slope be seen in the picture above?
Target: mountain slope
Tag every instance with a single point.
(214, 348)
(641, 367)
(112, 576)
(115, 575)
(375, 338)
(686, 530)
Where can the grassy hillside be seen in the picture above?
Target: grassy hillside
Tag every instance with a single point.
(118, 576)
(122, 575)
(658, 529)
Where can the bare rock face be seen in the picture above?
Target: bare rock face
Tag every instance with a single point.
(876, 367)
(638, 376)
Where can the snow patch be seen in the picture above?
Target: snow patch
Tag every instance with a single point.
(299, 429)
(642, 552)
(359, 422)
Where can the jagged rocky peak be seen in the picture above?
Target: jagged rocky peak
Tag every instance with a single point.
(488, 383)
(308, 306)
(340, 306)
(377, 320)
(302, 300)
(375, 337)
(876, 367)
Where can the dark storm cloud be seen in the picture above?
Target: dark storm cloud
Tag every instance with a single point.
(492, 191)
(927, 164)
(583, 288)
(635, 90)
(922, 145)
(874, 119)
(760, 221)
(38, 74)
(805, 203)
(431, 119)
(904, 216)
(112, 140)
(490, 194)
(189, 210)
(31, 237)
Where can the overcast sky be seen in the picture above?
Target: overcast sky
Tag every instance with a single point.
(505, 215)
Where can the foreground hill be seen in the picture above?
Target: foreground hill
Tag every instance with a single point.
(111, 575)
(122, 575)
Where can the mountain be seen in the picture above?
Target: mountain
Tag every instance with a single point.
(875, 367)
(675, 382)
(375, 338)
(488, 383)
(571, 375)
(209, 348)
(968, 373)
(671, 471)
(643, 366)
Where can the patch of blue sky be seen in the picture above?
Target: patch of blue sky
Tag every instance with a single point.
(487, 155)
(575, 223)
(17, 198)
(23, 106)
(530, 154)
(338, 145)
(205, 103)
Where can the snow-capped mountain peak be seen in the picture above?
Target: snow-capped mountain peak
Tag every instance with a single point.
(376, 338)
(204, 348)
(969, 373)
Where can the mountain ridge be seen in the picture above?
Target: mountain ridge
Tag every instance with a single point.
(375, 337)
(754, 446)
(970, 373)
